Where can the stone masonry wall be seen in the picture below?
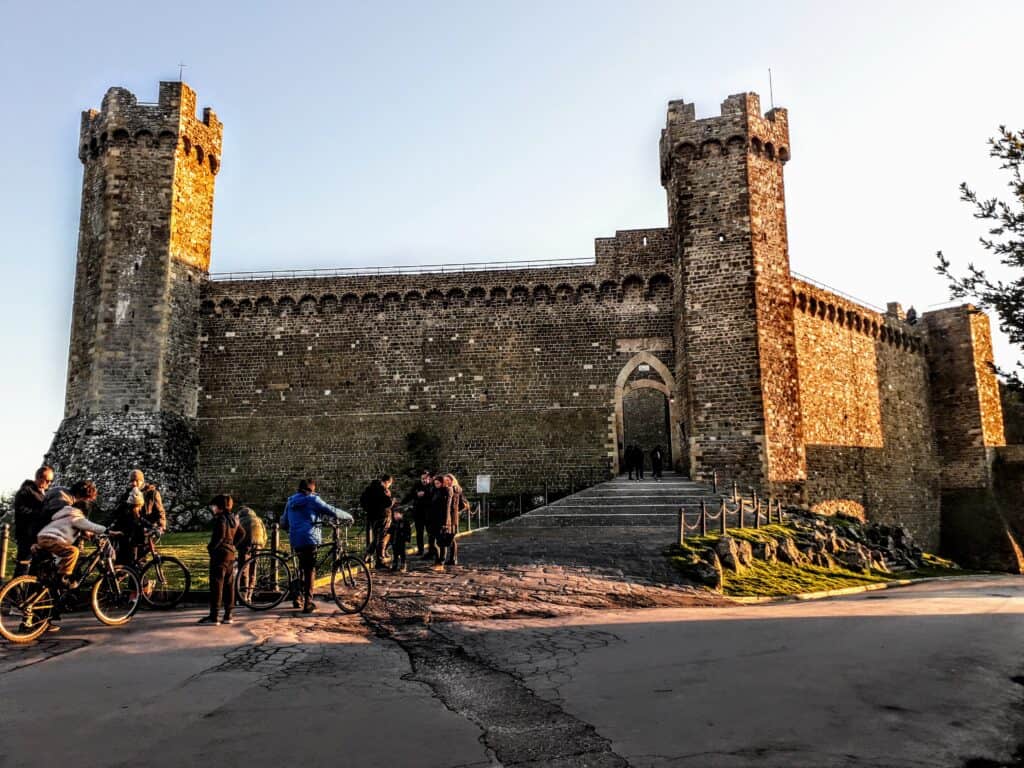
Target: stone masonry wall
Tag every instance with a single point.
(867, 418)
(734, 327)
(512, 373)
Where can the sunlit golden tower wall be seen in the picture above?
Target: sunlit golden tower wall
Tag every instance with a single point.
(143, 255)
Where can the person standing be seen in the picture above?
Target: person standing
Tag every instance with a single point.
(226, 540)
(629, 457)
(440, 510)
(457, 504)
(301, 519)
(638, 462)
(657, 462)
(28, 516)
(419, 497)
(128, 520)
(376, 501)
(255, 538)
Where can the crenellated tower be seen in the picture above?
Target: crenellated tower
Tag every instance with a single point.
(735, 342)
(143, 255)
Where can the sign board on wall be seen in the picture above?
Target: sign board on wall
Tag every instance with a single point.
(483, 483)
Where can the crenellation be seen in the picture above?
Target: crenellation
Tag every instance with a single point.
(695, 336)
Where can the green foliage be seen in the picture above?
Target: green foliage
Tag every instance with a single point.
(424, 451)
(1005, 242)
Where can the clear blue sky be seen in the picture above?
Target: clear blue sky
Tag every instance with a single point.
(360, 134)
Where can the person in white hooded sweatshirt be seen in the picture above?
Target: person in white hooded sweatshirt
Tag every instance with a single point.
(59, 537)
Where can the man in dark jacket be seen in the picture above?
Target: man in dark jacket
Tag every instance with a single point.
(227, 538)
(376, 501)
(28, 516)
(419, 497)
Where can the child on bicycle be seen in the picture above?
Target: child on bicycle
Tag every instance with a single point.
(301, 517)
(60, 536)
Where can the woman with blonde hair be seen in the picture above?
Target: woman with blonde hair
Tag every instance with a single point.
(456, 503)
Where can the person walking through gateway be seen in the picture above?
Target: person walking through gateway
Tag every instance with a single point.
(376, 501)
(657, 462)
(419, 497)
(301, 517)
(226, 540)
(638, 462)
(28, 516)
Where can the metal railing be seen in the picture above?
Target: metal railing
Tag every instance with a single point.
(847, 296)
(403, 269)
(767, 510)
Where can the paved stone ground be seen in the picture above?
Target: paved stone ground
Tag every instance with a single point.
(598, 549)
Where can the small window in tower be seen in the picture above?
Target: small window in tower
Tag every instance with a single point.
(213, 164)
(199, 154)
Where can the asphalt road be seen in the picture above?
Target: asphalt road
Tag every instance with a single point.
(919, 676)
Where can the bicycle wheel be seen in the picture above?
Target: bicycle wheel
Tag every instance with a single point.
(351, 584)
(26, 605)
(116, 596)
(165, 582)
(263, 581)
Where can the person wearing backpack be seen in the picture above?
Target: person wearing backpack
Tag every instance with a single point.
(227, 538)
(28, 516)
(255, 538)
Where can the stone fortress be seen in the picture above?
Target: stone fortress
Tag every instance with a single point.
(695, 336)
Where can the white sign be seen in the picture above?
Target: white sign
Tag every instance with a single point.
(483, 483)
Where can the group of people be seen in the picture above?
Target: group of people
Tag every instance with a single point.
(52, 519)
(634, 461)
(436, 502)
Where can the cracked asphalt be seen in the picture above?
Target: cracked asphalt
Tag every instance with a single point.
(920, 676)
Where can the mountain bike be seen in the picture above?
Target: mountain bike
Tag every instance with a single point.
(165, 580)
(29, 603)
(266, 577)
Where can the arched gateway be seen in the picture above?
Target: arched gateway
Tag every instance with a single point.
(646, 410)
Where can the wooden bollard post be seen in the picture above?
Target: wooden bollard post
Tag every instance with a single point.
(681, 538)
(741, 512)
(714, 479)
(722, 515)
(703, 518)
(757, 513)
(5, 544)
(735, 492)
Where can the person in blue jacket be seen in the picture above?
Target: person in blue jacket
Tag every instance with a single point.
(302, 513)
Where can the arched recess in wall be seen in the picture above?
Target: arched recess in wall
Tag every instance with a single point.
(666, 385)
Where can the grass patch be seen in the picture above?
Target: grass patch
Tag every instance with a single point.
(772, 579)
(763, 579)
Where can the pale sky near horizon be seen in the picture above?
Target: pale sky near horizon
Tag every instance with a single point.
(408, 133)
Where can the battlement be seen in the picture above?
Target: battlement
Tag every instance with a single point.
(739, 128)
(123, 121)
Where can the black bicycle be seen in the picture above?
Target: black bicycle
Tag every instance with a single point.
(29, 603)
(165, 580)
(266, 577)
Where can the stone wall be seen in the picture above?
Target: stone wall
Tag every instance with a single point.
(734, 326)
(512, 373)
(143, 253)
(867, 418)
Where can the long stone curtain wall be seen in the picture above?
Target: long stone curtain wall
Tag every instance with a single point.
(867, 419)
(505, 373)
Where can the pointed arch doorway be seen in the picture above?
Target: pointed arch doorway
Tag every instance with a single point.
(646, 412)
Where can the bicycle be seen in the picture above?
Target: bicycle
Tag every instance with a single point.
(29, 603)
(165, 579)
(266, 578)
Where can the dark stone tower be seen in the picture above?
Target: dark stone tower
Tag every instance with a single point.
(736, 350)
(143, 255)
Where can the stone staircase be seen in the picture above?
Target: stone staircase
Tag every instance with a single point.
(624, 502)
